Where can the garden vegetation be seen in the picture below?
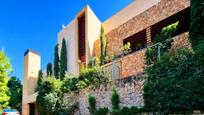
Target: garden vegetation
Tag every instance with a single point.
(176, 82)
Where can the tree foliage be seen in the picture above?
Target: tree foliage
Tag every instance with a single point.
(49, 69)
(5, 69)
(15, 93)
(164, 38)
(47, 91)
(175, 83)
(40, 79)
(63, 60)
(56, 62)
(197, 19)
(51, 99)
(103, 45)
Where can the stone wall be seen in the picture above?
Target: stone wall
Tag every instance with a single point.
(181, 41)
(133, 63)
(164, 9)
(97, 48)
(130, 91)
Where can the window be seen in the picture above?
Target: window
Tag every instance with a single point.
(137, 41)
(82, 39)
(184, 22)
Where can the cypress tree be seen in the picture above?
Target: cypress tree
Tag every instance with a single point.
(40, 78)
(63, 60)
(103, 45)
(49, 69)
(56, 62)
(197, 22)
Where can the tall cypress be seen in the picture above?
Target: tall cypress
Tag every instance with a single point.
(56, 62)
(197, 22)
(49, 69)
(63, 60)
(103, 45)
(40, 78)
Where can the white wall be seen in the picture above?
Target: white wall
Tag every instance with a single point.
(69, 34)
(93, 30)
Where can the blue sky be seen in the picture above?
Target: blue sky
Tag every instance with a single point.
(35, 23)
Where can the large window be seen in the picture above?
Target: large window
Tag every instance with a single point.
(137, 41)
(82, 39)
(184, 22)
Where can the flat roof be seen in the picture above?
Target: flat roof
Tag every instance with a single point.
(30, 50)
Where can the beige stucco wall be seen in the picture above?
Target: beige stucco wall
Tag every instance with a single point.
(31, 69)
(93, 31)
(69, 33)
(135, 8)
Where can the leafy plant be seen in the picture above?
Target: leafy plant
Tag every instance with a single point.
(92, 104)
(107, 59)
(102, 111)
(81, 84)
(181, 68)
(151, 53)
(126, 49)
(112, 56)
(51, 87)
(125, 111)
(93, 76)
(134, 110)
(69, 84)
(94, 62)
(115, 99)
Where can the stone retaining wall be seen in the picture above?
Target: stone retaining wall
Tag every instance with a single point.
(130, 91)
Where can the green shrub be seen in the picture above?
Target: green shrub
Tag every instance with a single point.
(196, 26)
(125, 111)
(69, 84)
(92, 76)
(81, 85)
(51, 100)
(94, 62)
(92, 104)
(115, 112)
(102, 111)
(134, 110)
(115, 99)
(151, 53)
(175, 83)
(47, 91)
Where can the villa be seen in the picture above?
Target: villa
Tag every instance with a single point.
(138, 24)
